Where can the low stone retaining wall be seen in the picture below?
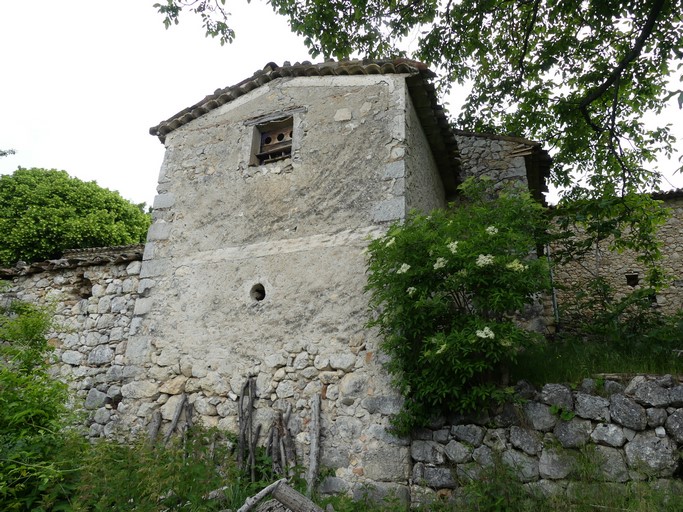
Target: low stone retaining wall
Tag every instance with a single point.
(619, 433)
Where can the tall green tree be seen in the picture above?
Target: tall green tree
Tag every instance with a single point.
(43, 212)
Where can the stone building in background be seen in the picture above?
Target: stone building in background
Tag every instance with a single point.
(254, 265)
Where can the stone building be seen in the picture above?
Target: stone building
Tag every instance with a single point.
(255, 261)
(254, 265)
(624, 273)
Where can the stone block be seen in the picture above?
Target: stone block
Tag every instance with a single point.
(526, 440)
(539, 416)
(100, 355)
(556, 463)
(674, 426)
(652, 455)
(458, 452)
(574, 433)
(385, 405)
(473, 435)
(143, 306)
(627, 413)
(138, 350)
(174, 386)
(438, 478)
(592, 407)
(344, 362)
(389, 210)
(133, 268)
(95, 399)
(608, 434)
(394, 169)
(102, 415)
(612, 464)
(649, 394)
(159, 231)
(429, 452)
(72, 357)
(558, 395)
(524, 466)
(163, 201)
(140, 389)
(387, 463)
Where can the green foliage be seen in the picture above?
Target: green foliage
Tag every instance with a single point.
(175, 477)
(213, 14)
(32, 410)
(589, 218)
(561, 413)
(43, 212)
(602, 334)
(445, 289)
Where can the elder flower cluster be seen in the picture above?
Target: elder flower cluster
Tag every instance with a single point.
(516, 266)
(485, 333)
(404, 268)
(484, 260)
(440, 263)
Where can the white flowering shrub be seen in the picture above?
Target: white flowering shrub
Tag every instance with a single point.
(444, 292)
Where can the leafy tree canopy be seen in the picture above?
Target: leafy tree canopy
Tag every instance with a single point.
(577, 76)
(43, 212)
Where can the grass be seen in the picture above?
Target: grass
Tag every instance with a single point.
(647, 345)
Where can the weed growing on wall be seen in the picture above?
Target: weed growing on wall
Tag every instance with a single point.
(32, 410)
(445, 289)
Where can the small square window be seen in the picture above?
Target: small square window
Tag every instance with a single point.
(274, 141)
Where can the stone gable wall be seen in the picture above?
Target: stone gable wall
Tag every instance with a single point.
(298, 228)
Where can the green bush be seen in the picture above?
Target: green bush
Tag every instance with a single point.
(43, 212)
(445, 289)
(33, 411)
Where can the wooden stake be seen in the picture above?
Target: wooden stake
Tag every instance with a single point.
(154, 426)
(176, 417)
(312, 475)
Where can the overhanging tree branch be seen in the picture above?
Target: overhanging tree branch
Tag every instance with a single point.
(527, 38)
(645, 32)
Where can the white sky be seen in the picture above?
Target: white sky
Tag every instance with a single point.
(83, 80)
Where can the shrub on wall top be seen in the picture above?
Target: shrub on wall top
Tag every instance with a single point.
(43, 212)
(445, 289)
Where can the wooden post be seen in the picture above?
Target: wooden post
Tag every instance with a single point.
(312, 475)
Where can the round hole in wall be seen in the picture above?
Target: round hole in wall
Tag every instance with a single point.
(258, 292)
(280, 137)
(267, 140)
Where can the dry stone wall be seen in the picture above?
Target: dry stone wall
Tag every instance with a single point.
(609, 431)
(92, 294)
